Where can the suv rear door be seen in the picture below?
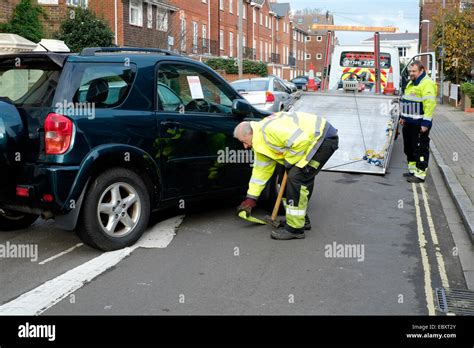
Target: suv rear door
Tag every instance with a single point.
(27, 88)
(197, 151)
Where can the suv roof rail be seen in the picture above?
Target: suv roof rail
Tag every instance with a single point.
(91, 51)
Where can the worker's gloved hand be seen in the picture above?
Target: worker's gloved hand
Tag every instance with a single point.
(247, 205)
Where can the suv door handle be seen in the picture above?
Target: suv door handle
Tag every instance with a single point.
(170, 124)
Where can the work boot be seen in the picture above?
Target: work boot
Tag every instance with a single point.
(282, 234)
(407, 174)
(415, 179)
(307, 223)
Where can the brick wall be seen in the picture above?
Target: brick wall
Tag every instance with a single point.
(428, 10)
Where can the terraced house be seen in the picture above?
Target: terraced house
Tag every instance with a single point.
(203, 28)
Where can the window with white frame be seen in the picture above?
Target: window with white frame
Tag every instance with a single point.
(319, 56)
(254, 44)
(231, 6)
(261, 50)
(261, 18)
(402, 51)
(266, 21)
(183, 34)
(149, 16)
(195, 36)
(245, 11)
(319, 38)
(204, 35)
(231, 44)
(221, 4)
(136, 12)
(221, 39)
(308, 38)
(276, 24)
(308, 56)
(255, 16)
(161, 19)
(81, 3)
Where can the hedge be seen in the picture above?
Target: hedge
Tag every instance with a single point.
(229, 65)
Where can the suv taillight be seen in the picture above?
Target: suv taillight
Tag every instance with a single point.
(269, 97)
(58, 134)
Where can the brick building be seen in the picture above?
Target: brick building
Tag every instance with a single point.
(428, 10)
(203, 28)
(315, 40)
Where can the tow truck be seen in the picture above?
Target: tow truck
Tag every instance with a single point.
(353, 97)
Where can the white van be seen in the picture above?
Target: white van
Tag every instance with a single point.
(358, 61)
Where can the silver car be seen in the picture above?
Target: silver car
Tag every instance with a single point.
(264, 93)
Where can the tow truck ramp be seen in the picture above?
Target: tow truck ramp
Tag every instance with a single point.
(365, 125)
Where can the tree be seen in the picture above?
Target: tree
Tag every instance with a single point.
(83, 29)
(458, 42)
(25, 21)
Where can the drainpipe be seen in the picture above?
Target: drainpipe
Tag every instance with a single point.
(115, 22)
(209, 25)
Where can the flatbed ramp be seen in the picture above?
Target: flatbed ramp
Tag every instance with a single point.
(365, 125)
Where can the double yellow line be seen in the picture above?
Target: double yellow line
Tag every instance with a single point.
(422, 242)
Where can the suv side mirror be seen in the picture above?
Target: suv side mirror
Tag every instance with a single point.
(241, 108)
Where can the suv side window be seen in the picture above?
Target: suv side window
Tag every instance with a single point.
(183, 87)
(104, 85)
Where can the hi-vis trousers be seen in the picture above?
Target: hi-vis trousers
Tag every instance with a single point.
(417, 148)
(300, 185)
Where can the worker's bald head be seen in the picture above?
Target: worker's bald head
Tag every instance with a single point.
(244, 133)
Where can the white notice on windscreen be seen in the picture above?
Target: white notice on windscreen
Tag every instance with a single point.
(195, 87)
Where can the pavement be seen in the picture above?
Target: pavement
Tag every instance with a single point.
(453, 149)
(378, 246)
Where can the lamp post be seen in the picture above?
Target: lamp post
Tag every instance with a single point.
(427, 34)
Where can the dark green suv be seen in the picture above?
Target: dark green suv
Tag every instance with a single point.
(98, 140)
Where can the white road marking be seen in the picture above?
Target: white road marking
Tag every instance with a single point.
(38, 300)
(424, 255)
(434, 237)
(61, 253)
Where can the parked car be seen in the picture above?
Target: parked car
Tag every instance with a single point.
(264, 93)
(301, 82)
(98, 144)
(290, 87)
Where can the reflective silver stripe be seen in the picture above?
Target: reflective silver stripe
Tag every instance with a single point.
(262, 163)
(415, 117)
(295, 211)
(412, 98)
(294, 116)
(319, 142)
(258, 181)
(294, 153)
(417, 99)
(277, 148)
(293, 137)
(252, 196)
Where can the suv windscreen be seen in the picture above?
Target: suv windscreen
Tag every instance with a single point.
(28, 82)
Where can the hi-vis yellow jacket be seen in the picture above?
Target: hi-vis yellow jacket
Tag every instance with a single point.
(419, 101)
(284, 137)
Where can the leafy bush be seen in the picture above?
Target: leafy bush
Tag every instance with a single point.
(468, 89)
(25, 21)
(229, 65)
(84, 29)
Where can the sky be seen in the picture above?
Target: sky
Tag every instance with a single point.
(403, 14)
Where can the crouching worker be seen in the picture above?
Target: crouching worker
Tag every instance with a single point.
(303, 143)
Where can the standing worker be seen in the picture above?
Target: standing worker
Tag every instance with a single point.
(417, 107)
(303, 143)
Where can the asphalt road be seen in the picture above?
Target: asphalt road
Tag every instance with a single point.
(219, 264)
